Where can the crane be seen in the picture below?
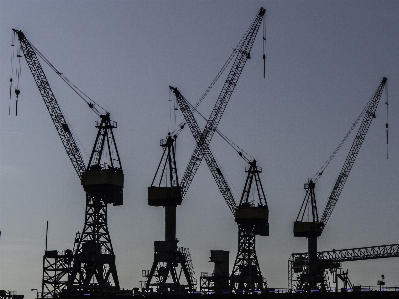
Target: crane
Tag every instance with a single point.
(314, 228)
(246, 275)
(91, 267)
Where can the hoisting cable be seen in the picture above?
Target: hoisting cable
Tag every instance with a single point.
(15, 71)
(18, 71)
(264, 44)
(81, 94)
(320, 172)
(91, 103)
(247, 158)
(232, 55)
(12, 72)
(226, 64)
(386, 103)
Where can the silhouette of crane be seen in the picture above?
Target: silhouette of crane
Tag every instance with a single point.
(90, 267)
(313, 278)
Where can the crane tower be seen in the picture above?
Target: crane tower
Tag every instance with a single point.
(90, 267)
(170, 261)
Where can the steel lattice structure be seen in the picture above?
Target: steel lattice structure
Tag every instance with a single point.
(314, 277)
(51, 103)
(369, 114)
(243, 53)
(246, 276)
(206, 153)
(298, 262)
(94, 258)
(93, 270)
(56, 270)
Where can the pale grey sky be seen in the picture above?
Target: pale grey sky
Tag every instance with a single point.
(324, 61)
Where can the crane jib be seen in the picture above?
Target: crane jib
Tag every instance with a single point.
(51, 103)
(353, 152)
(202, 150)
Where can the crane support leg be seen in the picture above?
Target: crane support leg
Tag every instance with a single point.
(246, 276)
(94, 269)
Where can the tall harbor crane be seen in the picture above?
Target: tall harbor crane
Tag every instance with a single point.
(241, 54)
(312, 228)
(90, 267)
(252, 220)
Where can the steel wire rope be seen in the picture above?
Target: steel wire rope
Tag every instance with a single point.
(80, 93)
(263, 46)
(90, 102)
(231, 143)
(321, 171)
(387, 104)
(232, 55)
(194, 107)
(243, 154)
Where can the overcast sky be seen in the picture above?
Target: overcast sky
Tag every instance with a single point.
(324, 61)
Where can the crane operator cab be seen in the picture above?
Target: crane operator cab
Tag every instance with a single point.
(307, 229)
(256, 216)
(167, 192)
(313, 228)
(107, 182)
(164, 196)
(247, 213)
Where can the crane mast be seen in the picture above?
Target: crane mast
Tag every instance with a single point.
(51, 103)
(169, 259)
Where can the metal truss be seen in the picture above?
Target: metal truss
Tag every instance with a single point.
(56, 271)
(170, 262)
(246, 276)
(213, 284)
(94, 259)
(298, 262)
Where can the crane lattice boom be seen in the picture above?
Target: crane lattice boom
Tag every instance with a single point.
(205, 151)
(52, 105)
(353, 152)
(205, 138)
